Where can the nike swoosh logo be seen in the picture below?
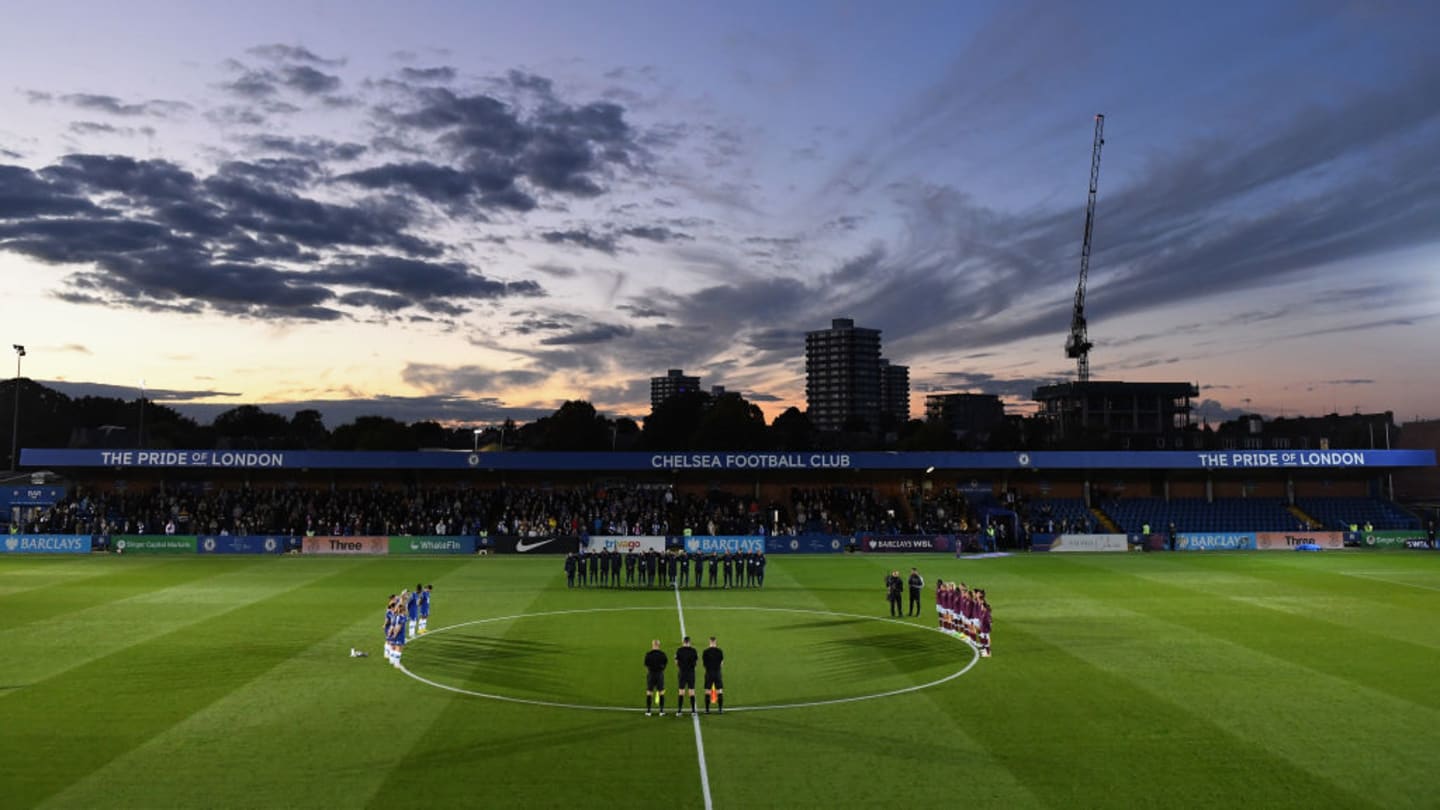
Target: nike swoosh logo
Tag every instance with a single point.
(523, 547)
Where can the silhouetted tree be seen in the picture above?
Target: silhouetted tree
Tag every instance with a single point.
(373, 433)
(792, 430)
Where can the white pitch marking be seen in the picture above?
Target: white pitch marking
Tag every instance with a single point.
(1359, 575)
(974, 659)
(699, 741)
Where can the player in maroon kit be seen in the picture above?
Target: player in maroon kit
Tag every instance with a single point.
(983, 624)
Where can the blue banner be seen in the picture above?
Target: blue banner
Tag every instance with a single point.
(32, 496)
(723, 543)
(240, 544)
(462, 460)
(807, 544)
(1215, 541)
(46, 544)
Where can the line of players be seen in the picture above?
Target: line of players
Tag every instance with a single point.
(964, 610)
(407, 615)
(686, 657)
(657, 569)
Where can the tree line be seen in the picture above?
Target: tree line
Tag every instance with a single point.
(692, 421)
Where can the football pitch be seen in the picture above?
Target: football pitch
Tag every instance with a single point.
(1263, 679)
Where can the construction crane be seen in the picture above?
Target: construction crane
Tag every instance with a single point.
(1078, 345)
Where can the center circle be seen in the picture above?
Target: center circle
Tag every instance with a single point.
(775, 658)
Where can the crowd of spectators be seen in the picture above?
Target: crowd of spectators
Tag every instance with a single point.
(944, 511)
(373, 511)
(845, 510)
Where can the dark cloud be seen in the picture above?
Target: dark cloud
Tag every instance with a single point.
(483, 186)
(253, 84)
(599, 333)
(166, 395)
(291, 53)
(170, 240)
(25, 194)
(384, 302)
(308, 80)
(531, 325)
(777, 340)
(653, 233)
(436, 75)
(234, 115)
(583, 238)
(640, 311)
(520, 80)
(558, 271)
(158, 108)
(1021, 387)
(421, 280)
(313, 149)
(557, 147)
(100, 128)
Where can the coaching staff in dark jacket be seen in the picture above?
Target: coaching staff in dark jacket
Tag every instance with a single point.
(916, 582)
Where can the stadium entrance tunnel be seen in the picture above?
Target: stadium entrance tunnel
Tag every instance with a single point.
(775, 658)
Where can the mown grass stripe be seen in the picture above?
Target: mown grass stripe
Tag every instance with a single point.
(115, 702)
(573, 758)
(319, 693)
(103, 581)
(206, 587)
(902, 731)
(1310, 719)
(1243, 616)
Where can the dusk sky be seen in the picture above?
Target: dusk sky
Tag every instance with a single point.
(464, 211)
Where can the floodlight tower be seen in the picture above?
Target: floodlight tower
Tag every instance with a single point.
(1078, 345)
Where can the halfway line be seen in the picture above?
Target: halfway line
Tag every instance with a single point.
(699, 741)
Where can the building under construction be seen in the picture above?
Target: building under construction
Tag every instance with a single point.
(1119, 410)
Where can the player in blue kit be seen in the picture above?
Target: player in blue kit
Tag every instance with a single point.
(397, 636)
(391, 617)
(425, 608)
(412, 611)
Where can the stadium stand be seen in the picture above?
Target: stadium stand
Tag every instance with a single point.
(1196, 515)
(1339, 513)
(944, 511)
(844, 510)
(1059, 515)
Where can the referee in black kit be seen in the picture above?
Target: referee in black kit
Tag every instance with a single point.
(685, 659)
(655, 662)
(713, 658)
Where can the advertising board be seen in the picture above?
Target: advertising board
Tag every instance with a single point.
(1215, 541)
(240, 544)
(153, 543)
(346, 545)
(906, 543)
(432, 545)
(723, 543)
(46, 544)
(625, 543)
(1090, 542)
(807, 544)
(1287, 541)
(551, 544)
(1391, 538)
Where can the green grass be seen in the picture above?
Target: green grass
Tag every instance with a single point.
(1265, 679)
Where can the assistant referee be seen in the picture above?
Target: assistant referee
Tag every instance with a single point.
(655, 662)
(712, 658)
